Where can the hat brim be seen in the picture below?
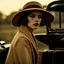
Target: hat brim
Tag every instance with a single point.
(48, 17)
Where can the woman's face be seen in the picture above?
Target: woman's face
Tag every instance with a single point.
(34, 19)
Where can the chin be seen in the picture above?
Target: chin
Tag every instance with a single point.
(35, 28)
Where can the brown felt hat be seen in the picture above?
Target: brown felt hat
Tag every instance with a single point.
(47, 17)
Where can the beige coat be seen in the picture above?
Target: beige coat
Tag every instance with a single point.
(23, 49)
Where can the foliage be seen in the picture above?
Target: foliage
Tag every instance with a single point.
(9, 18)
(1, 18)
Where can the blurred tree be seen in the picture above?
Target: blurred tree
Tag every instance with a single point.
(1, 18)
(9, 18)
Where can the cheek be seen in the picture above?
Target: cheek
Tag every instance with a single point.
(30, 21)
(40, 21)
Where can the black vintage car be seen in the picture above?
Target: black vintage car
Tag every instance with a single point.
(3, 51)
(54, 37)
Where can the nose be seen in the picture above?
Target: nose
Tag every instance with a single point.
(37, 19)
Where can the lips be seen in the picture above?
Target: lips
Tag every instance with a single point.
(36, 24)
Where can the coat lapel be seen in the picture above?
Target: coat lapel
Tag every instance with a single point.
(24, 30)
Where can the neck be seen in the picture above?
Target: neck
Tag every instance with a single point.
(30, 29)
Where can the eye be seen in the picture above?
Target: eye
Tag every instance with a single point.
(39, 16)
(32, 16)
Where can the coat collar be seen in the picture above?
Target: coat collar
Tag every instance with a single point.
(26, 33)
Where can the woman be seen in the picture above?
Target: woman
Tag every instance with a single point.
(23, 49)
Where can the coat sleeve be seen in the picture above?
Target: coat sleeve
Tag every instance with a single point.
(23, 51)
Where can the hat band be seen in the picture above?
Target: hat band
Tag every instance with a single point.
(33, 6)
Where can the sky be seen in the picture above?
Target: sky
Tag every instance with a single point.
(8, 6)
